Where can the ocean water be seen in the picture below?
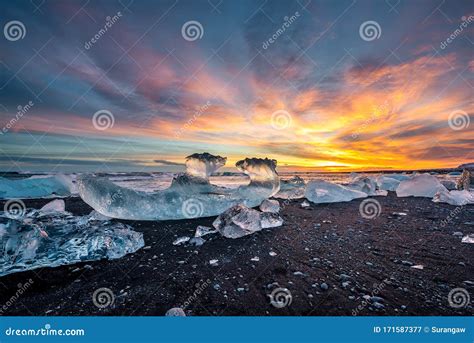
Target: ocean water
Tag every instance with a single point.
(150, 182)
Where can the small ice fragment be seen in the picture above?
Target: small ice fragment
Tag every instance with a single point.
(197, 241)
(319, 191)
(204, 230)
(57, 205)
(468, 239)
(213, 262)
(305, 203)
(456, 198)
(418, 266)
(270, 220)
(238, 221)
(268, 205)
(181, 240)
(399, 214)
(175, 312)
(272, 253)
(457, 233)
(255, 259)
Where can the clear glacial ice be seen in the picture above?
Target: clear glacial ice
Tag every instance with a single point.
(36, 187)
(422, 185)
(239, 221)
(53, 238)
(456, 198)
(190, 195)
(291, 189)
(320, 192)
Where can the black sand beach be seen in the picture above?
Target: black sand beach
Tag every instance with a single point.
(327, 244)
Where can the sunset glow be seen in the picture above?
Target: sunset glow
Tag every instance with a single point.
(343, 103)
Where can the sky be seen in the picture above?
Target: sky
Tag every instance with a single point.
(317, 85)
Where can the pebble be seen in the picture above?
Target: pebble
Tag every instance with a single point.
(213, 262)
(324, 286)
(272, 253)
(378, 306)
(255, 259)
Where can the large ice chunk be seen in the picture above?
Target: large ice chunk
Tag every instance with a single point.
(268, 205)
(58, 238)
(423, 185)
(456, 198)
(35, 187)
(319, 191)
(189, 196)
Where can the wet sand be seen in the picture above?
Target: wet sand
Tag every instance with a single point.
(323, 245)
